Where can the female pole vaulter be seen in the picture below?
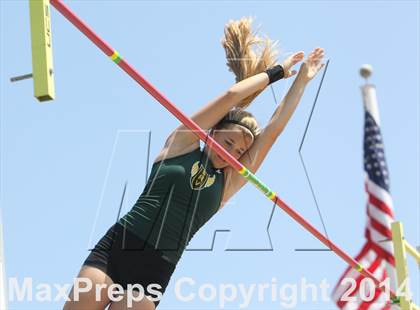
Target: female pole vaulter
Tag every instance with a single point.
(187, 185)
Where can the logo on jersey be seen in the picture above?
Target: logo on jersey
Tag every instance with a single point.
(199, 177)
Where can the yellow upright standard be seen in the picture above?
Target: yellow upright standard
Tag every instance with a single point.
(401, 249)
(42, 57)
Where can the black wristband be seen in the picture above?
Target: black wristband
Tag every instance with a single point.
(275, 73)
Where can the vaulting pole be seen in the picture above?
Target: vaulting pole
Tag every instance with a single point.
(212, 144)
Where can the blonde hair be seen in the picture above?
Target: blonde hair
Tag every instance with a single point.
(247, 54)
(240, 117)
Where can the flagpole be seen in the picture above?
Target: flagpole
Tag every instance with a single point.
(370, 103)
(3, 301)
(369, 93)
(210, 142)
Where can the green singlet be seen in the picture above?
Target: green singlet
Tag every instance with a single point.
(181, 195)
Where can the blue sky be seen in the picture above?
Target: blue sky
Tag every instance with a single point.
(64, 163)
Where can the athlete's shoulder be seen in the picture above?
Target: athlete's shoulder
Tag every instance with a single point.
(164, 155)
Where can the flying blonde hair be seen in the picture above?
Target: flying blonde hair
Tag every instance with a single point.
(247, 53)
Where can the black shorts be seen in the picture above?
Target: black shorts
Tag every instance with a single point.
(127, 259)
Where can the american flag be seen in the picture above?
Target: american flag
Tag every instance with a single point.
(376, 255)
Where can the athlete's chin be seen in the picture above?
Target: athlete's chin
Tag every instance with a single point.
(219, 163)
(220, 166)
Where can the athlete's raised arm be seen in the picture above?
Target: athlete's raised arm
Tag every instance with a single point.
(255, 155)
(215, 110)
(182, 140)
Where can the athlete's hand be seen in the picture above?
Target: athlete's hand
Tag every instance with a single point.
(312, 65)
(290, 62)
